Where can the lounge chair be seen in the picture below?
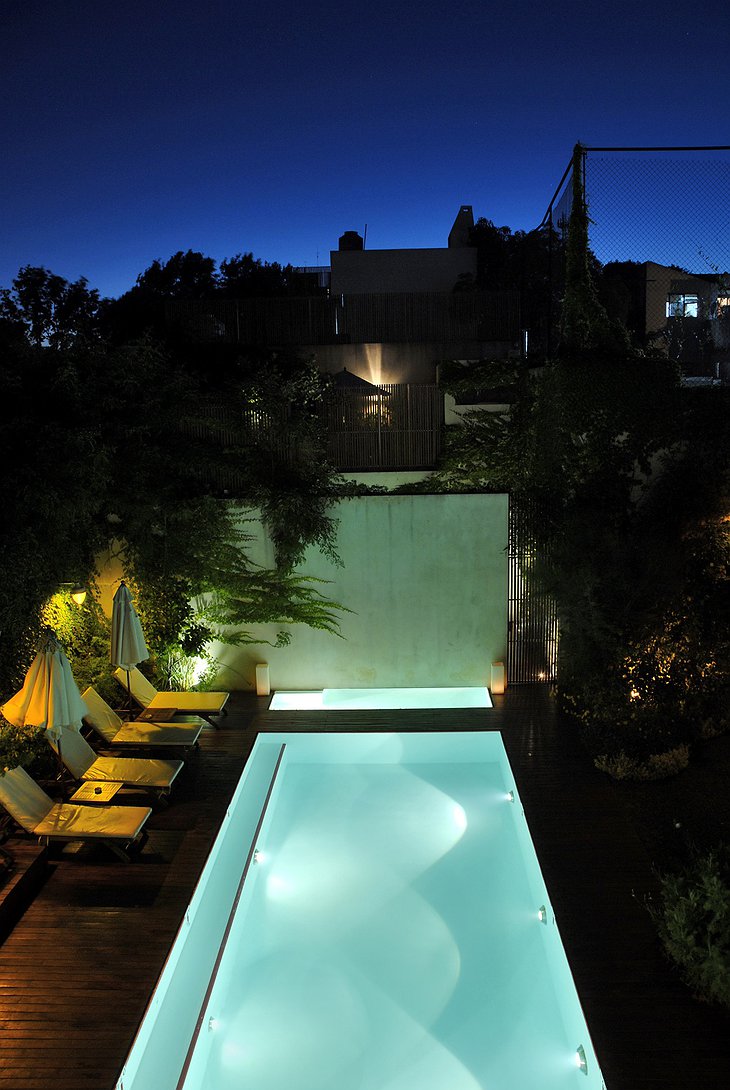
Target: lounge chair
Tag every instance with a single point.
(118, 734)
(147, 696)
(146, 773)
(119, 828)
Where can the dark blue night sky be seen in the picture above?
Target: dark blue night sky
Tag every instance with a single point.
(132, 130)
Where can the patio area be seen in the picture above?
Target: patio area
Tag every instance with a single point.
(77, 970)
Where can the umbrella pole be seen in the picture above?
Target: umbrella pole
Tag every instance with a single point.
(129, 697)
(61, 769)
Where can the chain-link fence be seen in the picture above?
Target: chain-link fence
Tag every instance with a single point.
(659, 233)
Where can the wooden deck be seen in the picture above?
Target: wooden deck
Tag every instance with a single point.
(77, 970)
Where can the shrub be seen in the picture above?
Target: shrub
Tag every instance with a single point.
(658, 766)
(25, 746)
(693, 921)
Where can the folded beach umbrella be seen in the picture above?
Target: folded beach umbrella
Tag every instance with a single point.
(128, 643)
(50, 697)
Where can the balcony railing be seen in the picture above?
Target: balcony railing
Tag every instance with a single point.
(396, 317)
(400, 427)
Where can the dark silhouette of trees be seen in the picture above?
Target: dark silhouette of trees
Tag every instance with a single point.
(48, 310)
(190, 275)
(528, 262)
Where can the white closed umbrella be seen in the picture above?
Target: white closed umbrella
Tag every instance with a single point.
(128, 643)
(50, 697)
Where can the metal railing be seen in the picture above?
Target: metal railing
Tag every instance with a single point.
(372, 318)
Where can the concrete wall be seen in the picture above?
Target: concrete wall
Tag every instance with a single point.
(426, 578)
(355, 271)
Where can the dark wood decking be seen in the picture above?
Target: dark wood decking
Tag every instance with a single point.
(77, 970)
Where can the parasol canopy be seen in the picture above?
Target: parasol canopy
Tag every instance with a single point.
(128, 643)
(50, 697)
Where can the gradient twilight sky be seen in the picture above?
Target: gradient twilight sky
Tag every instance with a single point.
(135, 129)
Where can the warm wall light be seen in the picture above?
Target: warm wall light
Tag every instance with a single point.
(263, 683)
(499, 678)
(78, 593)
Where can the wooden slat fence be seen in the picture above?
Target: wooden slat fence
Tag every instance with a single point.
(399, 428)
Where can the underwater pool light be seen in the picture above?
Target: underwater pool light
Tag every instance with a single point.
(542, 914)
(580, 1059)
(510, 796)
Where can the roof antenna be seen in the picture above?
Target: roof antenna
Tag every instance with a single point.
(365, 236)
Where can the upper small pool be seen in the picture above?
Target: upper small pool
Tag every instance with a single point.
(472, 696)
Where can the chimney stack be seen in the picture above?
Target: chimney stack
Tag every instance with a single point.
(351, 241)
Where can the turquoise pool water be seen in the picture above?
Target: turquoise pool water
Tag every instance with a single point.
(374, 918)
(473, 696)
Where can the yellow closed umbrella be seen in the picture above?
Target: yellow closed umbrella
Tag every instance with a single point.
(50, 697)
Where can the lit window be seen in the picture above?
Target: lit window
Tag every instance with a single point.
(723, 306)
(682, 306)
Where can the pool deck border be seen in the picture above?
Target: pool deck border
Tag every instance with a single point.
(77, 970)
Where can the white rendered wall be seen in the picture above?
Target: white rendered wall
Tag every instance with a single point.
(426, 578)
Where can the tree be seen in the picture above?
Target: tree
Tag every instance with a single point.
(245, 276)
(187, 274)
(527, 262)
(110, 443)
(48, 310)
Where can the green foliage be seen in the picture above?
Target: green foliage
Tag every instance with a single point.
(55, 479)
(24, 746)
(528, 263)
(586, 326)
(575, 427)
(657, 766)
(85, 636)
(693, 921)
(107, 446)
(631, 476)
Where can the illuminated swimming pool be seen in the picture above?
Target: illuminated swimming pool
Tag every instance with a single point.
(473, 696)
(372, 917)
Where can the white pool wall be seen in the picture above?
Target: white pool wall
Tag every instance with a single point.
(159, 1049)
